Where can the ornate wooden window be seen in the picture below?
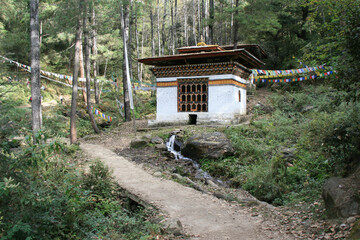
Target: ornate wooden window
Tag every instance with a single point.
(193, 95)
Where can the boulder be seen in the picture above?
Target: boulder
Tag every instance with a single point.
(174, 226)
(341, 195)
(157, 140)
(208, 145)
(137, 143)
(161, 147)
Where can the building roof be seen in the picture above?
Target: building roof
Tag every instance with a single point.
(205, 54)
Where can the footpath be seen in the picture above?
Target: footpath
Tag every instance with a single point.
(202, 216)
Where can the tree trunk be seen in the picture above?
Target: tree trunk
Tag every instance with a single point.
(221, 25)
(142, 48)
(35, 67)
(186, 38)
(40, 33)
(82, 72)
(158, 27)
(137, 45)
(125, 28)
(87, 69)
(163, 29)
(129, 39)
(106, 63)
(152, 33)
(172, 37)
(199, 20)
(95, 52)
(194, 23)
(73, 136)
(236, 23)
(174, 28)
(211, 22)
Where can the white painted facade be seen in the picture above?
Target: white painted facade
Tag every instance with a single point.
(224, 106)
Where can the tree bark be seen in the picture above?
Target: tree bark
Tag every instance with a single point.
(172, 37)
(142, 48)
(152, 33)
(87, 69)
(82, 72)
(73, 137)
(95, 52)
(158, 26)
(137, 45)
(163, 29)
(236, 24)
(129, 39)
(194, 23)
(232, 23)
(221, 37)
(211, 22)
(174, 28)
(125, 28)
(199, 20)
(185, 25)
(35, 67)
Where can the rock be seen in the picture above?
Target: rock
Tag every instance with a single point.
(157, 174)
(350, 220)
(355, 232)
(157, 140)
(211, 183)
(161, 147)
(174, 226)
(208, 145)
(137, 143)
(176, 175)
(341, 195)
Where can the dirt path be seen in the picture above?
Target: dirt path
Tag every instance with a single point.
(203, 216)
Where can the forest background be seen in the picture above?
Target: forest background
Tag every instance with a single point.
(292, 32)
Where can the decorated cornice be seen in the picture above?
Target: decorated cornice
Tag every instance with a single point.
(202, 69)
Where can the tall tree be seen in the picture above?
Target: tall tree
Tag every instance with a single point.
(95, 52)
(186, 24)
(73, 135)
(125, 28)
(87, 67)
(211, 22)
(158, 27)
(35, 67)
(163, 37)
(152, 32)
(236, 24)
(82, 71)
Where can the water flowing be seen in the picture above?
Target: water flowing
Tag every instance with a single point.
(178, 156)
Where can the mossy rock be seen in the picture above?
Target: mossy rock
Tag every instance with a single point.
(355, 232)
(138, 143)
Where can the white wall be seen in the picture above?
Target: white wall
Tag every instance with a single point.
(223, 102)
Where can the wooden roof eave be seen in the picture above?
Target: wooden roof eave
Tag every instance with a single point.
(232, 54)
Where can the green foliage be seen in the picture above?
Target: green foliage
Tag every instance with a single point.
(337, 23)
(323, 133)
(99, 180)
(44, 196)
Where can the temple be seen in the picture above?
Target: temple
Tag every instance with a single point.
(203, 84)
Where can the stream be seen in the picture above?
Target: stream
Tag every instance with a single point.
(200, 174)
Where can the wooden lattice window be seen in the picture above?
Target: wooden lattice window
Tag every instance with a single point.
(193, 95)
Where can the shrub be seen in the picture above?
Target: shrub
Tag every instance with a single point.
(43, 196)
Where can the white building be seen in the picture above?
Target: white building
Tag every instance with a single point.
(203, 84)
